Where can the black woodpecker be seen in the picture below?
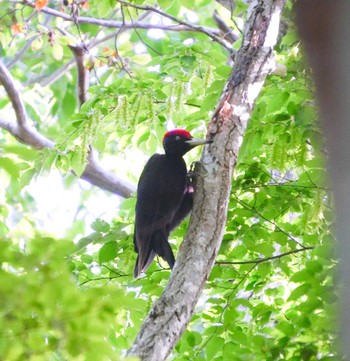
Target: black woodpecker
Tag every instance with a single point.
(164, 199)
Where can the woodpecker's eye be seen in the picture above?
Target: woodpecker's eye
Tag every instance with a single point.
(177, 138)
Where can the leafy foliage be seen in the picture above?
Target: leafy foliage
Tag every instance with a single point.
(48, 316)
(271, 294)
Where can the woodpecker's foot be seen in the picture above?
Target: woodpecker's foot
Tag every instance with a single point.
(189, 188)
(192, 168)
(190, 181)
(189, 184)
(191, 174)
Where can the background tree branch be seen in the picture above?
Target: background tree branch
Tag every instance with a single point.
(83, 73)
(192, 27)
(171, 313)
(21, 130)
(13, 94)
(181, 26)
(26, 133)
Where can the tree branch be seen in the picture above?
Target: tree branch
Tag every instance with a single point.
(227, 32)
(27, 134)
(83, 73)
(21, 130)
(170, 314)
(7, 81)
(211, 32)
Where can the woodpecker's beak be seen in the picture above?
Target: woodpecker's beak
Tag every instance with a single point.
(194, 142)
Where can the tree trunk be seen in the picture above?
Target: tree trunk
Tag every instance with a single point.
(171, 314)
(327, 47)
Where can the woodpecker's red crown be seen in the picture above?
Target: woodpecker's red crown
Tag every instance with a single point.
(181, 132)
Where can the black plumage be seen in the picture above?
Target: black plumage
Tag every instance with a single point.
(164, 199)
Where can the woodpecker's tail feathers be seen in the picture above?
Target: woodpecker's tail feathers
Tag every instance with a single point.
(162, 247)
(142, 263)
(158, 245)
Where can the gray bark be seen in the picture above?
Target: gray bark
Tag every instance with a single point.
(171, 314)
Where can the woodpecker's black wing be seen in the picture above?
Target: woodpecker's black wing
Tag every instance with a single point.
(183, 211)
(160, 193)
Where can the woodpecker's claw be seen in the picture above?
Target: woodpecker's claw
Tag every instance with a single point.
(193, 167)
(190, 182)
(190, 175)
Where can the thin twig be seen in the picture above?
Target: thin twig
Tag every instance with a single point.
(102, 279)
(21, 52)
(224, 309)
(253, 210)
(261, 260)
(121, 62)
(46, 80)
(141, 39)
(183, 27)
(254, 263)
(179, 21)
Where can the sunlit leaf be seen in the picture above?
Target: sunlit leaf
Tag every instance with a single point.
(39, 4)
(108, 252)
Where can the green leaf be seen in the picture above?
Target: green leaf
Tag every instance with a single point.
(108, 252)
(23, 152)
(77, 163)
(26, 177)
(57, 51)
(141, 59)
(265, 249)
(314, 266)
(10, 167)
(165, 4)
(99, 225)
(37, 43)
(301, 276)
(230, 349)
(299, 292)
(86, 258)
(286, 328)
(214, 347)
